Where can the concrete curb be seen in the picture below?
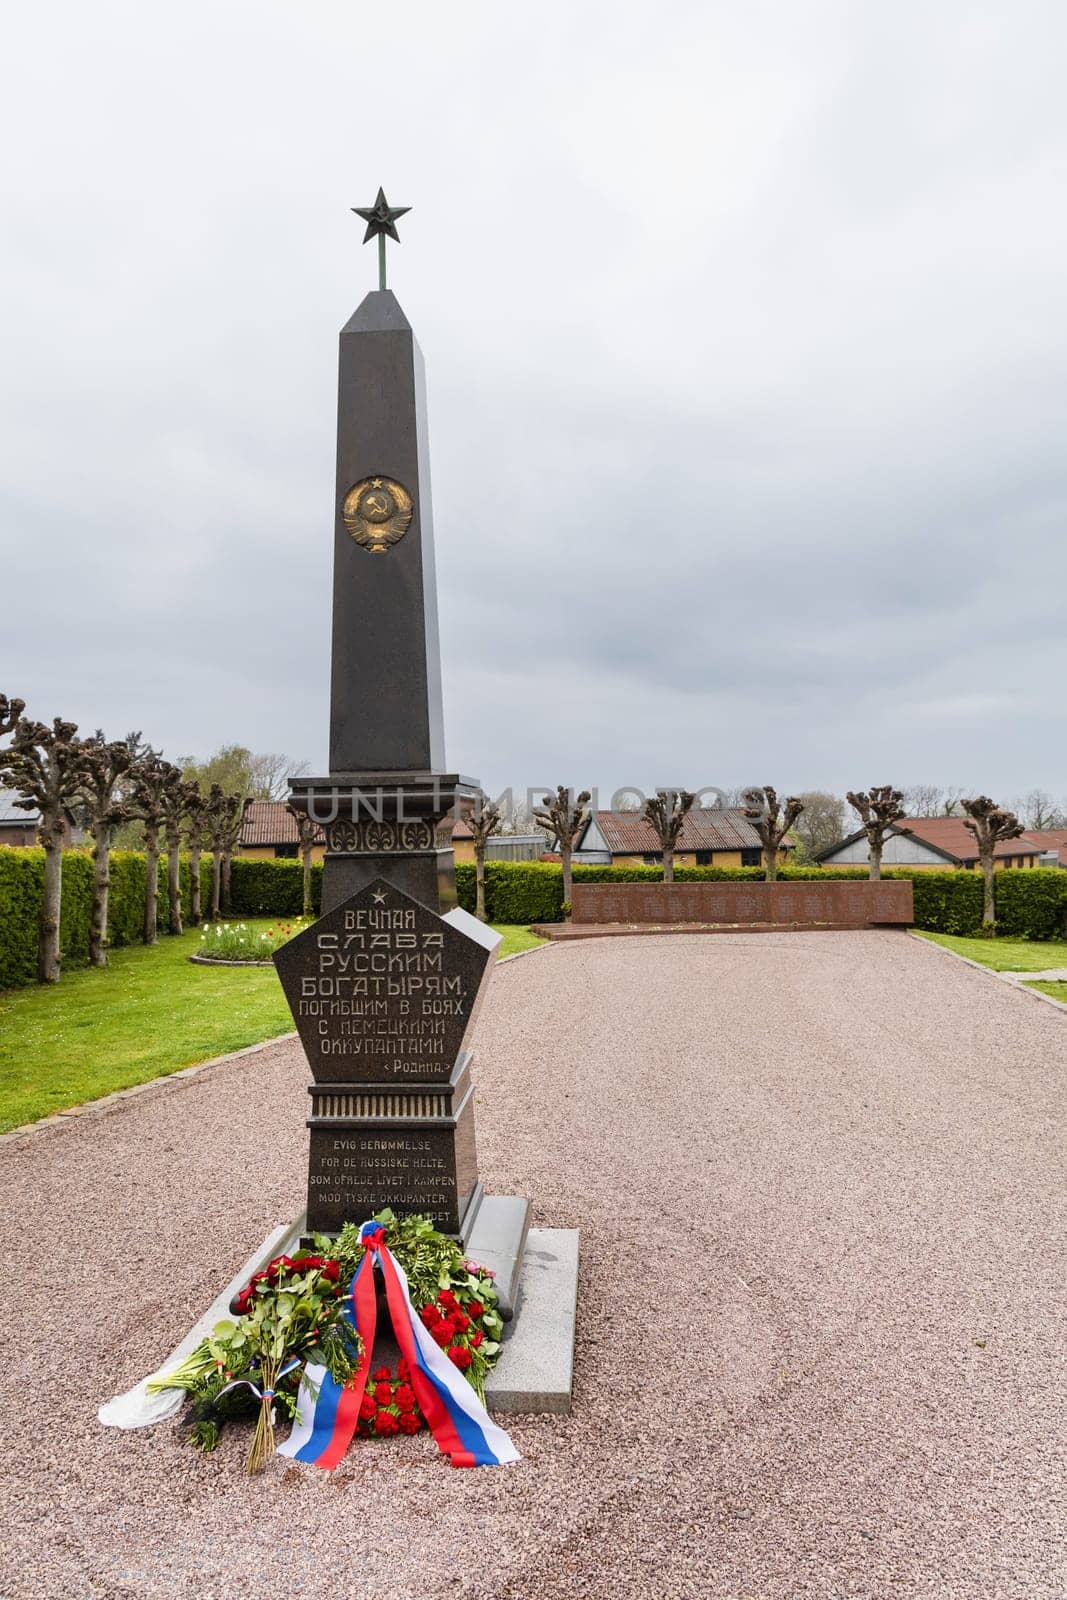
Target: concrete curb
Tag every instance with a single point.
(1014, 980)
(152, 1085)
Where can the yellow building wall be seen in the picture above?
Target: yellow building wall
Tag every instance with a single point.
(687, 858)
(463, 851)
(265, 852)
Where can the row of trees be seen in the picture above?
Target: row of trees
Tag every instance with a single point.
(563, 815)
(110, 784)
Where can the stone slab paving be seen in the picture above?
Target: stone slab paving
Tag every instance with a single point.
(819, 1182)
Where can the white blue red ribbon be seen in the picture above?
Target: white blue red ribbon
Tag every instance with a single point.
(329, 1411)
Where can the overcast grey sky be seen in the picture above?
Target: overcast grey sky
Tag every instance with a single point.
(744, 333)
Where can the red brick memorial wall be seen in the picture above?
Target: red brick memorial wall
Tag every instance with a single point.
(844, 904)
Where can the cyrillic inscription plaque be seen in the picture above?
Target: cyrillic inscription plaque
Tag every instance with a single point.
(383, 992)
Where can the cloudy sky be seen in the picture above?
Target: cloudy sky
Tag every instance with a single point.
(744, 332)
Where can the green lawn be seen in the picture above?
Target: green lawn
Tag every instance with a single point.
(516, 939)
(1007, 955)
(149, 1013)
(1058, 991)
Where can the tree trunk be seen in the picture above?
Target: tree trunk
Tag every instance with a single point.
(226, 900)
(174, 884)
(568, 886)
(306, 854)
(151, 888)
(875, 855)
(770, 863)
(51, 836)
(101, 884)
(194, 882)
(989, 913)
(668, 864)
(479, 882)
(216, 883)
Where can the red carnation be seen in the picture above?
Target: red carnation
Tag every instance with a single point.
(460, 1321)
(381, 1375)
(429, 1315)
(403, 1370)
(385, 1424)
(443, 1333)
(446, 1298)
(459, 1357)
(476, 1338)
(383, 1394)
(332, 1271)
(405, 1397)
(475, 1309)
(408, 1422)
(367, 1408)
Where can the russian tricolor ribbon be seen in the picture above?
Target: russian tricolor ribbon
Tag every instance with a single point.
(329, 1411)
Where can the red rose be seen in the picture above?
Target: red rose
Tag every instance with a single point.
(381, 1375)
(475, 1309)
(385, 1424)
(306, 1263)
(383, 1394)
(460, 1321)
(405, 1397)
(367, 1408)
(446, 1298)
(408, 1422)
(459, 1357)
(331, 1271)
(476, 1338)
(429, 1315)
(443, 1333)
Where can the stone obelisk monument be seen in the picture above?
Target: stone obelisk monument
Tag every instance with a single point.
(386, 803)
(384, 988)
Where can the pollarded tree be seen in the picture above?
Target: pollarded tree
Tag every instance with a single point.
(10, 712)
(307, 833)
(562, 817)
(41, 764)
(666, 811)
(148, 803)
(173, 806)
(195, 820)
(878, 809)
(989, 824)
(102, 768)
(221, 813)
(764, 810)
(234, 829)
(483, 822)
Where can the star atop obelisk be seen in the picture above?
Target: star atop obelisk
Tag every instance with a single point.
(381, 220)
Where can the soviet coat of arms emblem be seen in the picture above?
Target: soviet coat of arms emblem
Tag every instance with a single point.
(377, 513)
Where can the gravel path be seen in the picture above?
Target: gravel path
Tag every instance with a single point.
(819, 1179)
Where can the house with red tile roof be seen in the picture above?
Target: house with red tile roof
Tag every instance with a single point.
(708, 839)
(937, 843)
(269, 833)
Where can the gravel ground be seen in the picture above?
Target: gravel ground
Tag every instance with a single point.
(819, 1179)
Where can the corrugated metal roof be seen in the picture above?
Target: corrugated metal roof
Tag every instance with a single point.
(13, 814)
(627, 833)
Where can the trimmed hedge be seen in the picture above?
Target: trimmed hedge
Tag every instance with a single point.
(22, 886)
(1032, 904)
(271, 888)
